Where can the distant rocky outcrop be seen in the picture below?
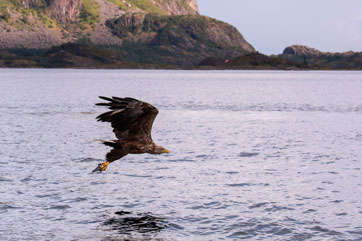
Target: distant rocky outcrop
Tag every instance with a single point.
(323, 60)
(300, 50)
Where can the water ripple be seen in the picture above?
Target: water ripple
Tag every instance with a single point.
(143, 223)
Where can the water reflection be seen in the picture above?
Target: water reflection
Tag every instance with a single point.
(136, 223)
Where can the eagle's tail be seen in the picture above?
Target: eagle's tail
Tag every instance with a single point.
(109, 143)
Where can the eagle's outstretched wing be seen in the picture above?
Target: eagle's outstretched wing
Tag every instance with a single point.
(131, 119)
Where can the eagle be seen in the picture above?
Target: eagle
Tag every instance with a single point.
(132, 122)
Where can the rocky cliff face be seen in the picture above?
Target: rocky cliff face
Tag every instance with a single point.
(65, 11)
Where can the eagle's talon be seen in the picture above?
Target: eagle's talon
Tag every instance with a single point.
(101, 167)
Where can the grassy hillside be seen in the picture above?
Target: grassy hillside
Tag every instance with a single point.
(90, 12)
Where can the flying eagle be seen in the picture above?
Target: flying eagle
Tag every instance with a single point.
(132, 121)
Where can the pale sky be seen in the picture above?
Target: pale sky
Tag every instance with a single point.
(272, 25)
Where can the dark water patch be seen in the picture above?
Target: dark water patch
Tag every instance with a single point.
(334, 173)
(165, 177)
(31, 178)
(101, 206)
(310, 211)
(175, 226)
(302, 236)
(130, 205)
(78, 199)
(247, 184)
(181, 160)
(5, 180)
(135, 175)
(121, 213)
(87, 113)
(88, 222)
(232, 173)
(248, 154)
(210, 205)
(240, 184)
(253, 228)
(4, 207)
(162, 168)
(283, 231)
(141, 223)
(327, 182)
(276, 208)
(258, 205)
(341, 214)
(242, 234)
(97, 183)
(356, 232)
(325, 230)
(204, 156)
(46, 195)
(59, 207)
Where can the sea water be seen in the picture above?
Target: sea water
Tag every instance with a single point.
(256, 155)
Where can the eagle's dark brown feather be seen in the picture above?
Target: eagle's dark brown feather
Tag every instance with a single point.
(132, 122)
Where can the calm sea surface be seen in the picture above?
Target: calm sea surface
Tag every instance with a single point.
(254, 155)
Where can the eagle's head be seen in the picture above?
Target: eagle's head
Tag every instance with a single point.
(160, 150)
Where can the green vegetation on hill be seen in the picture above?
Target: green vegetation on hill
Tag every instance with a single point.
(146, 5)
(4, 15)
(38, 9)
(90, 12)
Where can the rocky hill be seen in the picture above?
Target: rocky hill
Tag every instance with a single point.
(158, 27)
(323, 60)
(301, 50)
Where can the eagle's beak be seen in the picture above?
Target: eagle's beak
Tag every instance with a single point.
(167, 151)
